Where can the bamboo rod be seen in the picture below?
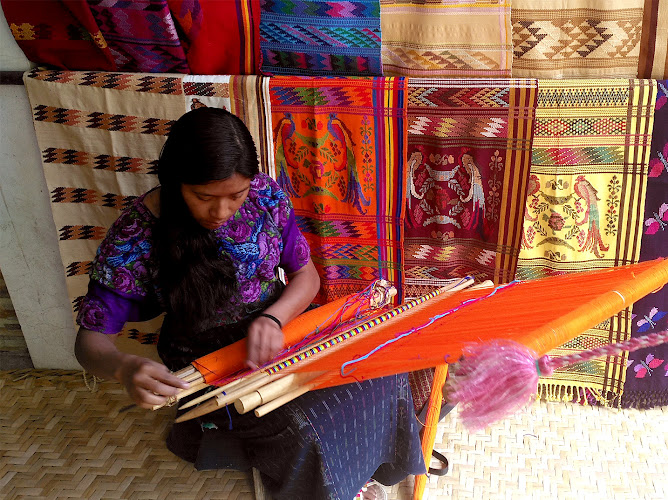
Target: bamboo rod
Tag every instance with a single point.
(280, 401)
(273, 390)
(235, 384)
(225, 399)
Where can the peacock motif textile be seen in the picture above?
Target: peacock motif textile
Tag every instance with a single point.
(446, 38)
(244, 96)
(647, 369)
(469, 152)
(339, 148)
(62, 34)
(141, 35)
(220, 38)
(577, 38)
(653, 60)
(584, 207)
(100, 135)
(320, 37)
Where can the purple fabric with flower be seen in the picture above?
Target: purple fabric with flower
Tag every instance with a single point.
(647, 369)
(259, 238)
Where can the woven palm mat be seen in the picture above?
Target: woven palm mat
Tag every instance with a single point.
(59, 440)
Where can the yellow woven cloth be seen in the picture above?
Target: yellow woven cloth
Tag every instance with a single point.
(576, 38)
(446, 38)
(585, 204)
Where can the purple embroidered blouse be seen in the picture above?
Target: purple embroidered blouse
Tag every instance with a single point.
(261, 236)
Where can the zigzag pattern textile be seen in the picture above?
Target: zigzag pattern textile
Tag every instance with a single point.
(447, 38)
(647, 369)
(100, 135)
(469, 152)
(141, 35)
(584, 208)
(62, 34)
(220, 38)
(316, 37)
(340, 146)
(577, 38)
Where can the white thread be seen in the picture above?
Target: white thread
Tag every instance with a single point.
(622, 297)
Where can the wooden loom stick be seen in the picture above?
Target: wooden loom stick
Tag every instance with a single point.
(236, 384)
(286, 398)
(273, 390)
(224, 399)
(433, 413)
(430, 425)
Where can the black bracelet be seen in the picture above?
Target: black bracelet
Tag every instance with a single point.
(273, 318)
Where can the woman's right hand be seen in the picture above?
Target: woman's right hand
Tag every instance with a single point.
(148, 383)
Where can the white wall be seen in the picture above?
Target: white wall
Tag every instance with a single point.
(29, 256)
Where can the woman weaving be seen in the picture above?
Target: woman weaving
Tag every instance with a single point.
(205, 247)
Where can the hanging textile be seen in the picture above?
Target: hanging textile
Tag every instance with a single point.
(58, 33)
(577, 38)
(653, 61)
(340, 148)
(141, 35)
(469, 152)
(220, 38)
(244, 96)
(584, 209)
(446, 38)
(320, 37)
(647, 369)
(100, 135)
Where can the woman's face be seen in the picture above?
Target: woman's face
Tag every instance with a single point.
(212, 204)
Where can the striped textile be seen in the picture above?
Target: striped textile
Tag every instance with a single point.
(57, 33)
(446, 38)
(584, 209)
(245, 96)
(469, 151)
(141, 35)
(653, 60)
(100, 135)
(340, 148)
(647, 369)
(576, 38)
(320, 37)
(220, 38)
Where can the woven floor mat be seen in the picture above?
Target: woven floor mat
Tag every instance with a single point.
(59, 440)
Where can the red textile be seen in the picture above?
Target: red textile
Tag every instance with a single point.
(221, 38)
(60, 33)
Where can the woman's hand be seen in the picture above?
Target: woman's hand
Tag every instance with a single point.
(265, 340)
(148, 383)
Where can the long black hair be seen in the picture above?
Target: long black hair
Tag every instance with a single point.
(204, 145)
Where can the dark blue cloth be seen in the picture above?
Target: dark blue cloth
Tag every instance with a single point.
(324, 445)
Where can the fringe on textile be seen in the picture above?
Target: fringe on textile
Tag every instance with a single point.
(579, 395)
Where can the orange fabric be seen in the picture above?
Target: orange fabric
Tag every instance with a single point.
(540, 314)
(231, 359)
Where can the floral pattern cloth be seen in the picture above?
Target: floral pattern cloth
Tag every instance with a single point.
(261, 236)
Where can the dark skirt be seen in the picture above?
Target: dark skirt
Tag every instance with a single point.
(324, 445)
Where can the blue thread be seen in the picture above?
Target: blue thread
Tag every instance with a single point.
(538, 369)
(410, 332)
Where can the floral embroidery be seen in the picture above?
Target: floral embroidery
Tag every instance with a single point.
(252, 238)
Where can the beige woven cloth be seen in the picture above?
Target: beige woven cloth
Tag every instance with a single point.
(576, 38)
(446, 38)
(653, 61)
(58, 440)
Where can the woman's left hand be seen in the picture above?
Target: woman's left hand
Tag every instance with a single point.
(265, 340)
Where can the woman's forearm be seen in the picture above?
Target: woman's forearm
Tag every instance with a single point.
(302, 287)
(98, 355)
